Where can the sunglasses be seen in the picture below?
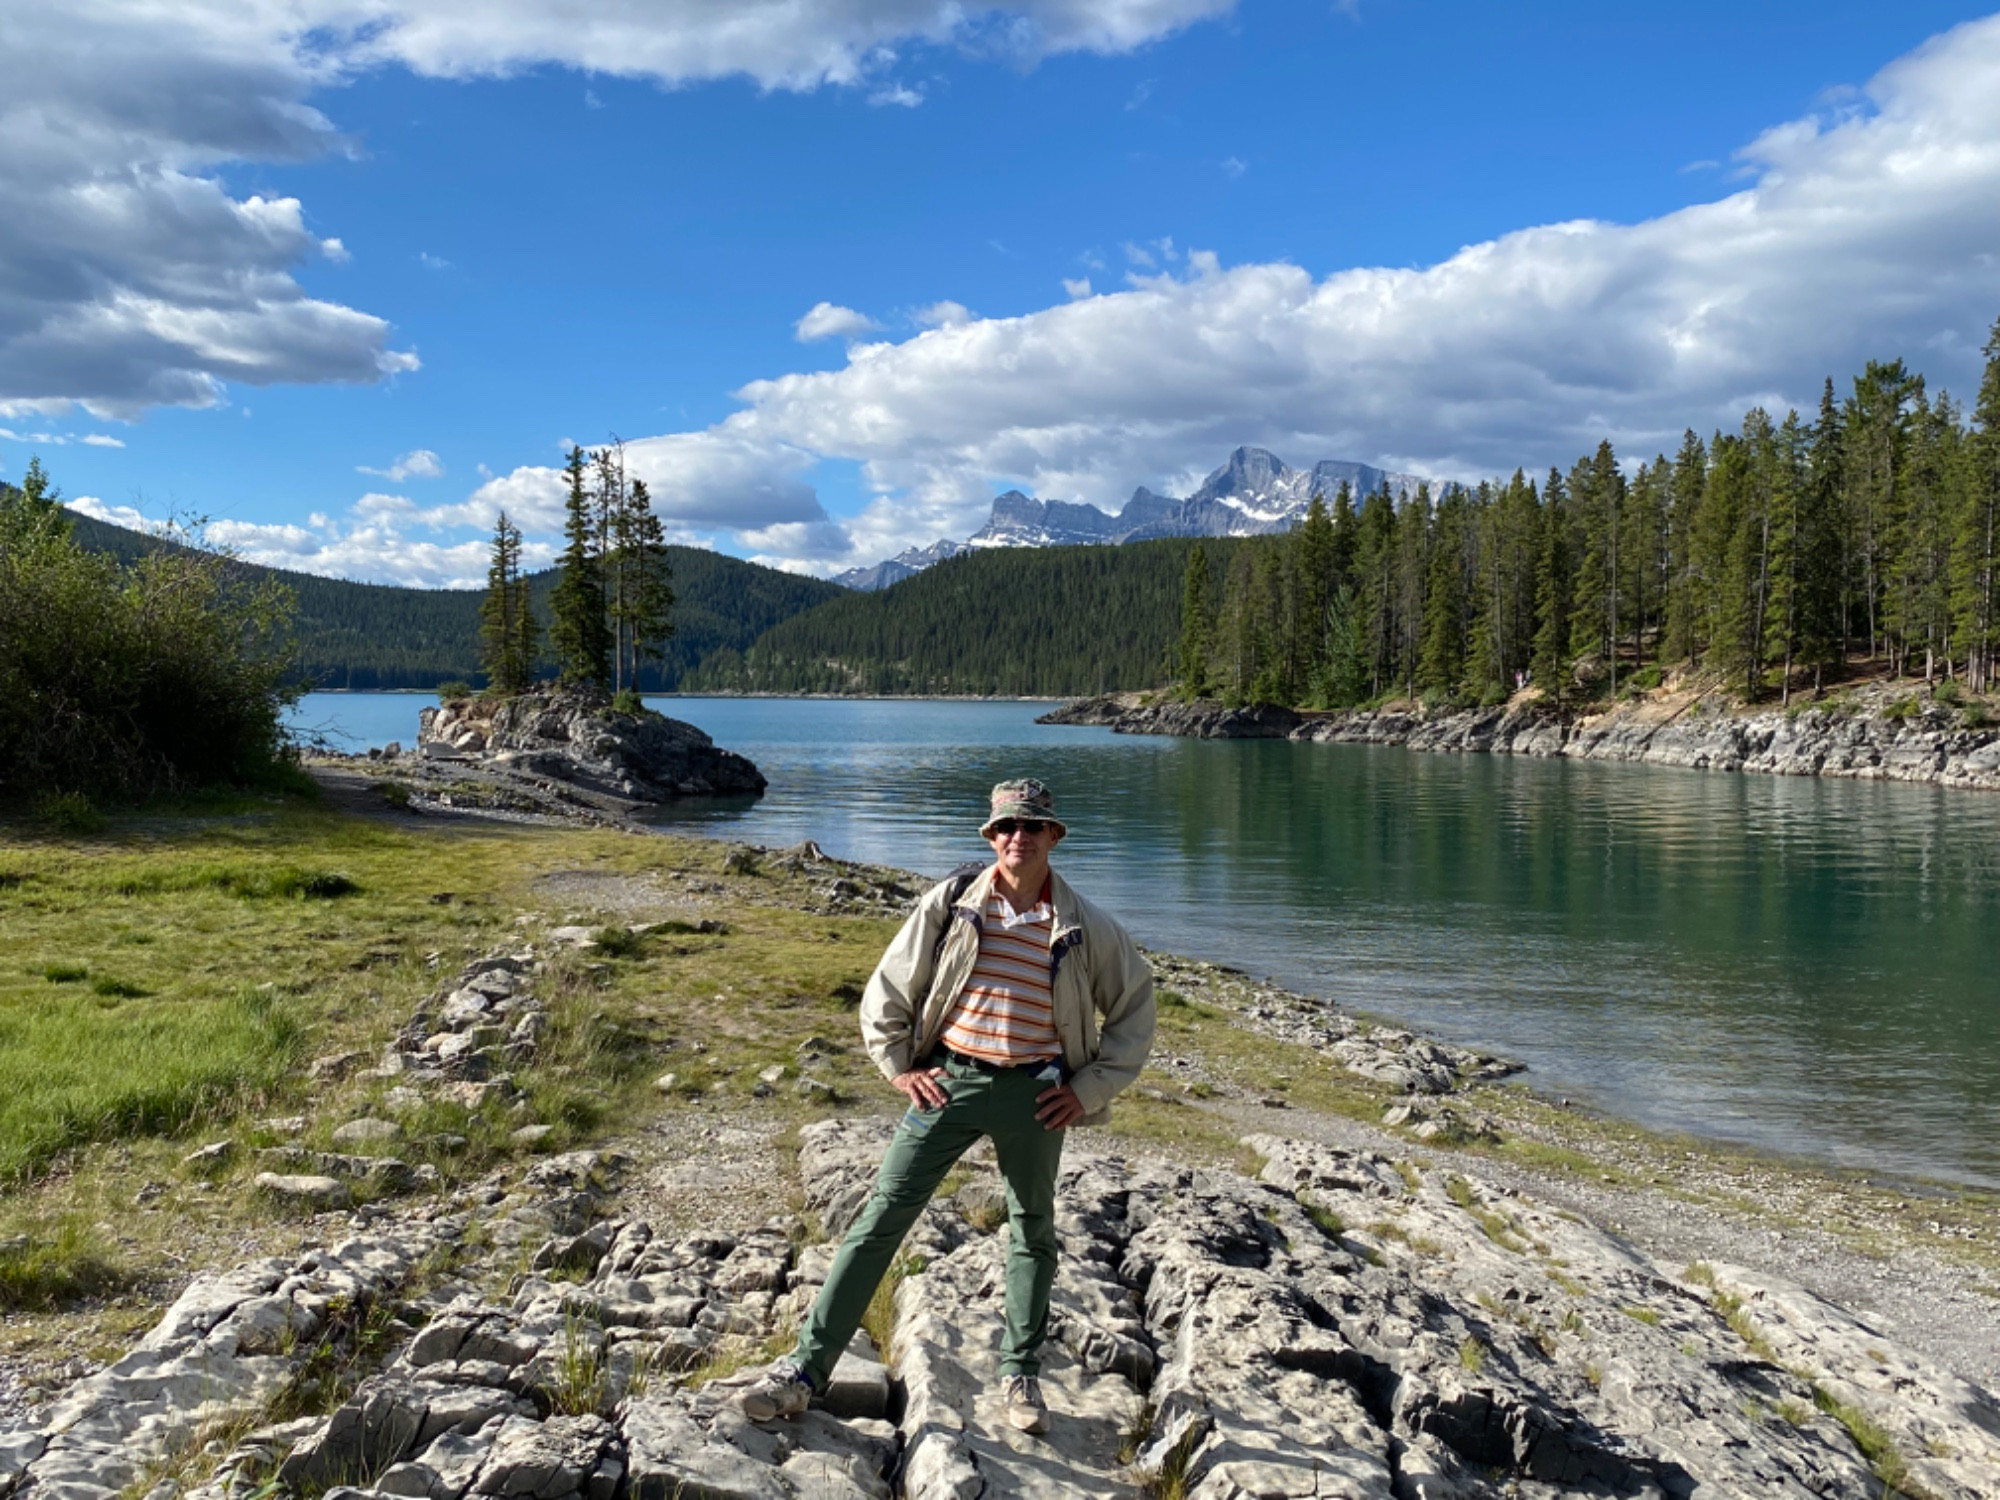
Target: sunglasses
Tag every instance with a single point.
(1006, 827)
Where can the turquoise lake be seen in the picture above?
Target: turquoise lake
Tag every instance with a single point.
(1809, 966)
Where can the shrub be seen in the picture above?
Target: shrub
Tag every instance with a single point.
(69, 812)
(1974, 715)
(627, 701)
(118, 681)
(447, 691)
(1946, 692)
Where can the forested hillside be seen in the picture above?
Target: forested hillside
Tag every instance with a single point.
(362, 635)
(1798, 550)
(1034, 621)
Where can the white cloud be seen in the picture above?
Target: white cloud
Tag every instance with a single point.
(825, 320)
(1234, 166)
(897, 94)
(61, 439)
(1870, 233)
(418, 463)
(1076, 287)
(432, 262)
(372, 542)
(946, 314)
(133, 277)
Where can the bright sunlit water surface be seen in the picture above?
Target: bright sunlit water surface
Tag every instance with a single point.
(1812, 966)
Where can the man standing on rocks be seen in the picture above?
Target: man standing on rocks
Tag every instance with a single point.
(1008, 1006)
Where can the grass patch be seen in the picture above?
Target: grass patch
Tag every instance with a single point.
(43, 1271)
(1885, 1460)
(1472, 1356)
(65, 973)
(1647, 1315)
(1329, 1222)
(72, 1072)
(578, 1387)
(880, 1318)
(1497, 1227)
(1740, 1323)
(733, 1354)
(260, 882)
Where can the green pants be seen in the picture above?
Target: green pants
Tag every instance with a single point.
(926, 1144)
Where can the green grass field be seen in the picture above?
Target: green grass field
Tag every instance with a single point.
(166, 982)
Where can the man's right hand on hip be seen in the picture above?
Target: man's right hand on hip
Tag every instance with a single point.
(922, 1085)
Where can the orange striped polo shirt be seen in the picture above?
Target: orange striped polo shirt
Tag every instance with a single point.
(1006, 1012)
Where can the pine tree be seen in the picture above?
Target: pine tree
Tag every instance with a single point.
(1375, 577)
(1197, 623)
(1817, 626)
(506, 622)
(1681, 641)
(643, 596)
(1877, 435)
(1975, 595)
(1597, 491)
(1441, 657)
(1780, 632)
(577, 629)
(1313, 570)
(1551, 661)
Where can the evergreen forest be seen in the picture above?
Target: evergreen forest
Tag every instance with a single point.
(366, 636)
(1055, 621)
(1862, 539)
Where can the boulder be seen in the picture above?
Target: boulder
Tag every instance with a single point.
(366, 1132)
(305, 1190)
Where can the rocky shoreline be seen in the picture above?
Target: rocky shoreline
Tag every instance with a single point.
(1879, 735)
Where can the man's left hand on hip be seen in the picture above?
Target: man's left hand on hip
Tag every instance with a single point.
(1058, 1108)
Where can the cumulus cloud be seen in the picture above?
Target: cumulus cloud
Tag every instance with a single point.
(898, 94)
(418, 463)
(825, 320)
(946, 314)
(1077, 287)
(131, 275)
(1867, 232)
(381, 539)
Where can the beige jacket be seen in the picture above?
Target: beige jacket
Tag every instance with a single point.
(1103, 990)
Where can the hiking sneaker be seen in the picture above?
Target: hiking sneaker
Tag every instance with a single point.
(784, 1390)
(1026, 1410)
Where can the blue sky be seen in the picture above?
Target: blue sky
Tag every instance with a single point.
(266, 264)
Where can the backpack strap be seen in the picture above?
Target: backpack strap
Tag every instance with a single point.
(955, 885)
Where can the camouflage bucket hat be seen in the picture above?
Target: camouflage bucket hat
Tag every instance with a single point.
(1026, 799)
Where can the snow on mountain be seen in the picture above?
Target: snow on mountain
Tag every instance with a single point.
(1253, 493)
(1020, 521)
(910, 561)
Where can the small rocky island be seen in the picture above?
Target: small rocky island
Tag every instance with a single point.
(558, 752)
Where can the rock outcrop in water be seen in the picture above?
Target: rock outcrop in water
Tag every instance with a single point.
(1880, 739)
(553, 754)
(1340, 1324)
(579, 738)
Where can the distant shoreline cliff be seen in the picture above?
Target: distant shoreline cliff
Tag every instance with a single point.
(1879, 736)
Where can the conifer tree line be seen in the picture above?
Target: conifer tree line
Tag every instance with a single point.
(611, 608)
(1771, 559)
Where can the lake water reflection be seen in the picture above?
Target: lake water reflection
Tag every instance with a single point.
(1811, 966)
